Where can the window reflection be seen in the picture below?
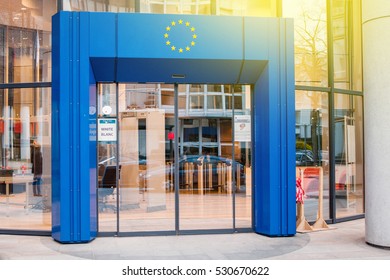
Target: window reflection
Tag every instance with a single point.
(263, 8)
(312, 149)
(25, 141)
(346, 21)
(311, 55)
(30, 14)
(201, 7)
(123, 6)
(28, 56)
(348, 155)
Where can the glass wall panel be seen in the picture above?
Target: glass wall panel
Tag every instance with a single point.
(346, 27)
(348, 125)
(311, 54)
(312, 149)
(116, 6)
(243, 156)
(27, 14)
(146, 186)
(107, 151)
(25, 40)
(261, 8)
(25, 173)
(215, 170)
(3, 47)
(27, 56)
(198, 7)
(205, 184)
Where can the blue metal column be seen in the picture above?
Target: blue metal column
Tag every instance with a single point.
(74, 216)
(274, 138)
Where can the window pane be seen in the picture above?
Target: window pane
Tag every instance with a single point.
(3, 47)
(31, 14)
(197, 102)
(237, 102)
(311, 56)
(346, 21)
(99, 5)
(312, 150)
(263, 8)
(29, 56)
(202, 7)
(25, 153)
(348, 125)
(214, 102)
(196, 88)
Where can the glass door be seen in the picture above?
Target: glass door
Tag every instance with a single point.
(146, 197)
(107, 188)
(215, 168)
(139, 130)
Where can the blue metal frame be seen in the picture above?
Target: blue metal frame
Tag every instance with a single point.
(110, 47)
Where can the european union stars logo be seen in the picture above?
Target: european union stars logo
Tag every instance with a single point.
(180, 36)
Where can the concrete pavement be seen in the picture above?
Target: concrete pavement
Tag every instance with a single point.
(343, 241)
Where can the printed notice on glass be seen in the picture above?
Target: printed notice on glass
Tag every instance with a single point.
(242, 128)
(107, 130)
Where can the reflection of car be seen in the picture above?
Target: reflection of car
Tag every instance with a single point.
(216, 164)
(304, 158)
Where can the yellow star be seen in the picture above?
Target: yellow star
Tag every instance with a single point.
(180, 50)
(166, 35)
(193, 29)
(188, 48)
(194, 36)
(173, 48)
(192, 43)
(180, 21)
(168, 28)
(173, 23)
(187, 23)
(168, 43)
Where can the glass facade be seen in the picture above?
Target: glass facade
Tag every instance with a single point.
(329, 127)
(329, 98)
(25, 114)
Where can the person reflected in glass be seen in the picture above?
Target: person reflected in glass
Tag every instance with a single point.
(36, 160)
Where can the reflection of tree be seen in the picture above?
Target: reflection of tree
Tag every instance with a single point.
(311, 69)
(311, 48)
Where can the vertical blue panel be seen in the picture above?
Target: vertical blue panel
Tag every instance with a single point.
(273, 137)
(92, 153)
(290, 130)
(73, 196)
(282, 128)
(274, 126)
(60, 125)
(261, 155)
(87, 188)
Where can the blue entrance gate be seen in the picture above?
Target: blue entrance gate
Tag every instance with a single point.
(109, 47)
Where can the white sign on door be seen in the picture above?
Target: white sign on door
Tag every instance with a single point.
(107, 130)
(242, 128)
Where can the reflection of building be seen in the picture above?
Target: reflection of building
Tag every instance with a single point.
(328, 106)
